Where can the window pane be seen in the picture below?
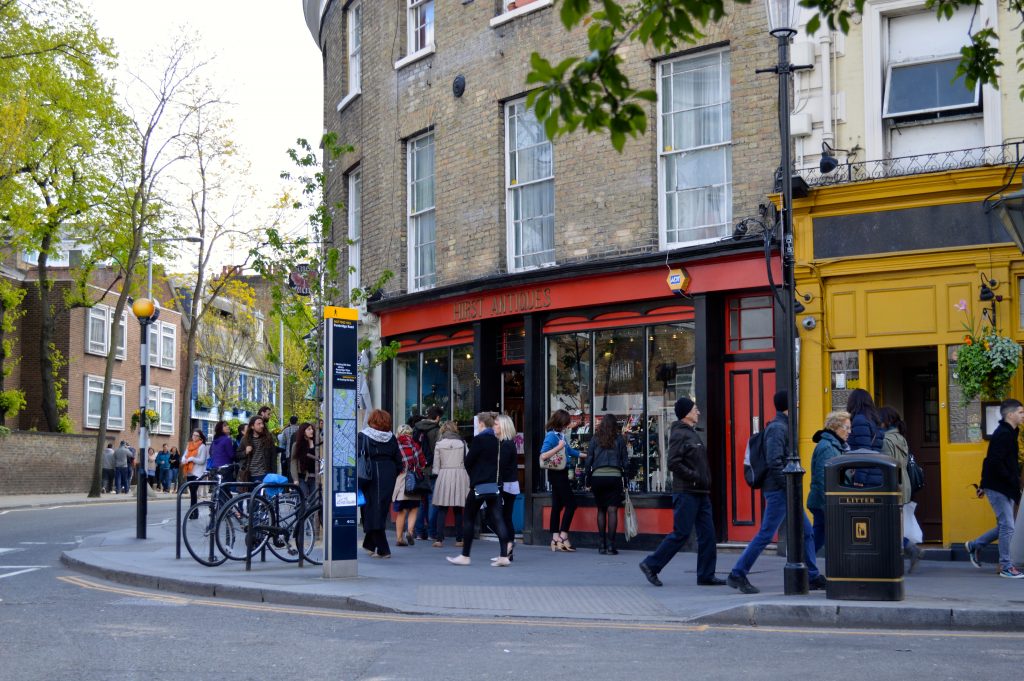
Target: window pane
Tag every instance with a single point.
(463, 389)
(670, 368)
(154, 345)
(928, 86)
(570, 386)
(115, 414)
(93, 404)
(167, 341)
(619, 389)
(167, 411)
(97, 330)
(406, 387)
(435, 381)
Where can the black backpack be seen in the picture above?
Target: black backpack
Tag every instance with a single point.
(755, 461)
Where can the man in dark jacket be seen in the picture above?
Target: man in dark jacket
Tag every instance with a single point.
(1000, 479)
(776, 443)
(425, 434)
(691, 500)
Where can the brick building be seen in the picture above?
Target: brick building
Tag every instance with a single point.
(531, 276)
(82, 336)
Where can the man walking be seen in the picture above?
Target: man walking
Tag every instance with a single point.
(776, 443)
(691, 500)
(1000, 481)
(425, 434)
(122, 474)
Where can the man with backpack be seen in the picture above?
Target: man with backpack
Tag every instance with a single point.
(775, 443)
(691, 500)
(425, 433)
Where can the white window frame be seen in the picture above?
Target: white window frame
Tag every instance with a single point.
(158, 398)
(94, 385)
(104, 314)
(168, 331)
(513, 189)
(875, 37)
(354, 54)
(664, 152)
(419, 281)
(953, 107)
(416, 8)
(508, 15)
(355, 228)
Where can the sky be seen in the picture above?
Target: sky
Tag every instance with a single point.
(264, 61)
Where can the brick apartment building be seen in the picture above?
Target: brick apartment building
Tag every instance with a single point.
(531, 275)
(82, 338)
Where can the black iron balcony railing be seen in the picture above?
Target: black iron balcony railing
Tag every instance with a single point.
(1003, 154)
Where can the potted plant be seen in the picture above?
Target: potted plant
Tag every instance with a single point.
(150, 419)
(986, 362)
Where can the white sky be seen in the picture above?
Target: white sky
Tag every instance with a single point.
(264, 61)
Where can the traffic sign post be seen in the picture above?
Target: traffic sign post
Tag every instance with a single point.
(340, 399)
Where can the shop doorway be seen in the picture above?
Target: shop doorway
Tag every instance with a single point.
(749, 387)
(907, 379)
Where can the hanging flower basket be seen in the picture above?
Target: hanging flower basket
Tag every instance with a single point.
(986, 362)
(151, 419)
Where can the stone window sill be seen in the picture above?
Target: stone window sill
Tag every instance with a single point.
(520, 11)
(348, 99)
(414, 57)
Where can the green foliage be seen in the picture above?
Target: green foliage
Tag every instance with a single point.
(986, 362)
(204, 401)
(12, 401)
(592, 92)
(150, 419)
(65, 424)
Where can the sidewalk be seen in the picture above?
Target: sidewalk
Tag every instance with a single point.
(13, 502)
(582, 585)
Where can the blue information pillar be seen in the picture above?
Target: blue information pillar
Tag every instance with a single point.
(340, 398)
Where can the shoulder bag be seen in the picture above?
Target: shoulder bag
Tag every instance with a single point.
(364, 469)
(554, 463)
(490, 489)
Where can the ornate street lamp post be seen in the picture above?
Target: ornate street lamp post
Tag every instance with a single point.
(782, 16)
(146, 312)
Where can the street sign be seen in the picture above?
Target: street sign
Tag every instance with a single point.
(341, 359)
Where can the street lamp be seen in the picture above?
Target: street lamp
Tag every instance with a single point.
(1010, 210)
(147, 312)
(782, 22)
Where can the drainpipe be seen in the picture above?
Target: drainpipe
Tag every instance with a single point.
(827, 132)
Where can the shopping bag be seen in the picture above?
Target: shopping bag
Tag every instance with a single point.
(911, 530)
(632, 529)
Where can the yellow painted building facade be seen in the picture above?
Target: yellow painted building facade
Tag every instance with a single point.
(884, 318)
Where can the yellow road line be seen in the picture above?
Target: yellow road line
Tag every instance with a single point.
(517, 621)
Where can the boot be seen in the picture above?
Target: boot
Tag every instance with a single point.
(601, 547)
(612, 551)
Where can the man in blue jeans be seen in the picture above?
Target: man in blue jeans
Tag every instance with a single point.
(1000, 480)
(691, 500)
(776, 443)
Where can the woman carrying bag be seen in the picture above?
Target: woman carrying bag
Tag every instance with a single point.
(606, 472)
(483, 463)
(563, 501)
(452, 483)
(382, 461)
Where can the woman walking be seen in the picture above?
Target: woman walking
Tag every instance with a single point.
(563, 501)
(894, 443)
(452, 484)
(606, 471)
(303, 460)
(505, 430)
(193, 464)
(831, 442)
(865, 432)
(484, 463)
(377, 443)
(260, 448)
(407, 504)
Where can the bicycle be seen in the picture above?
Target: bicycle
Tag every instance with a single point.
(273, 517)
(310, 542)
(197, 527)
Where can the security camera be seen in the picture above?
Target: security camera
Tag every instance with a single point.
(809, 323)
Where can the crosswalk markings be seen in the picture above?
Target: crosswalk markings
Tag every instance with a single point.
(19, 569)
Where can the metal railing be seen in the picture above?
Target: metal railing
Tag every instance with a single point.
(1003, 154)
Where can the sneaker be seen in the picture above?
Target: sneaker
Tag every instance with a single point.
(818, 583)
(742, 583)
(1010, 572)
(650, 574)
(972, 554)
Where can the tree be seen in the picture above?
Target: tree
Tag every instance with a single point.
(58, 151)
(12, 400)
(592, 91)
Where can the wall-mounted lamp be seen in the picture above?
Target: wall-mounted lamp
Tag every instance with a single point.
(987, 295)
(828, 161)
(1009, 208)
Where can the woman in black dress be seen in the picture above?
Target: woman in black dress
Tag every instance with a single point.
(378, 444)
(606, 469)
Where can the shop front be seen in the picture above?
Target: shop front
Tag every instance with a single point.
(627, 342)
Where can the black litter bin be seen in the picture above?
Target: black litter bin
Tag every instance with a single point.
(863, 528)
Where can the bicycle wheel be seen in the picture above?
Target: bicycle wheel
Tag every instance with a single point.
(311, 541)
(197, 532)
(284, 516)
(232, 525)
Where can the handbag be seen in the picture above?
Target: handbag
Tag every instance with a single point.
(555, 463)
(632, 528)
(915, 474)
(417, 483)
(490, 489)
(364, 470)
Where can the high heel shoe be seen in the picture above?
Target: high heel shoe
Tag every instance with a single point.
(511, 551)
(567, 547)
(556, 545)
(612, 551)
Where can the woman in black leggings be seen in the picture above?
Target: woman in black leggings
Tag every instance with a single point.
(505, 429)
(483, 462)
(563, 501)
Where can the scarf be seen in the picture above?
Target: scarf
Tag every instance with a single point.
(191, 450)
(377, 435)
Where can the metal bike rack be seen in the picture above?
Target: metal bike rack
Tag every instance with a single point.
(298, 514)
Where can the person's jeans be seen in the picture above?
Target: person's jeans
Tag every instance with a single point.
(442, 518)
(689, 512)
(426, 520)
(122, 477)
(819, 528)
(771, 521)
(108, 480)
(165, 478)
(1003, 531)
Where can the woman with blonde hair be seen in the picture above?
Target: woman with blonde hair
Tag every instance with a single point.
(452, 484)
(505, 429)
(406, 504)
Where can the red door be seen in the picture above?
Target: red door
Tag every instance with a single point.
(749, 387)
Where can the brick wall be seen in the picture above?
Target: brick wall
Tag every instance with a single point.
(45, 463)
(603, 199)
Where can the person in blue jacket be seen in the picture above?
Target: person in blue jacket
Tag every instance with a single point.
(831, 442)
(563, 501)
(865, 431)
